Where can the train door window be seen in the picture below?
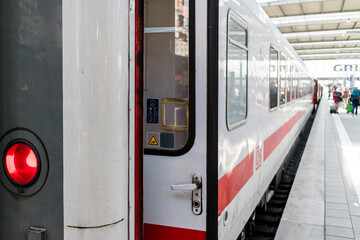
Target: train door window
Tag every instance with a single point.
(282, 85)
(288, 81)
(274, 58)
(237, 72)
(169, 85)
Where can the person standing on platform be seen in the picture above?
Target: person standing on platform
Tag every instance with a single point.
(339, 96)
(355, 100)
(336, 100)
(345, 98)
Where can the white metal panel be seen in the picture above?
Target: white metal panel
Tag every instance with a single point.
(162, 206)
(95, 90)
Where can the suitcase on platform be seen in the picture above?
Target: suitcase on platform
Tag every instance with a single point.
(333, 109)
(348, 108)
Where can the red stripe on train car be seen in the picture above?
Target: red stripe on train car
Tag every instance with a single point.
(232, 182)
(159, 232)
(274, 140)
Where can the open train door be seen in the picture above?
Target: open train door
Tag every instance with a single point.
(174, 162)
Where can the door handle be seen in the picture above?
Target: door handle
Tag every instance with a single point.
(184, 187)
(196, 188)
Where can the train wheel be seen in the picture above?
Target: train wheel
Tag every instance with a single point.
(250, 226)
(242, 235)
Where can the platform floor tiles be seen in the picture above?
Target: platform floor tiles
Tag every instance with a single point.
(324, 200)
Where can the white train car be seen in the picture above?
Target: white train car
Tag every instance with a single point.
(141, 119)
(252, 147)
(248, 98)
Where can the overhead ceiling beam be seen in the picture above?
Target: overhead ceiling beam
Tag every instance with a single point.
(326, 44)
(270, 3)
(327, 50)
(331, 55)
(344, 17)
(330, 78)
(322, 34)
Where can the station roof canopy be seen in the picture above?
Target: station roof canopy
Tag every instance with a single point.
(318, 29)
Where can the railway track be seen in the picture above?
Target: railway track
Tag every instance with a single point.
(267, 222)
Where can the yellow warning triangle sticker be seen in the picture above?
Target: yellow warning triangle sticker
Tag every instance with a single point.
(153, 141)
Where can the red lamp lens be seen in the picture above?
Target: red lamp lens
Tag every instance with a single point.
(21, 163)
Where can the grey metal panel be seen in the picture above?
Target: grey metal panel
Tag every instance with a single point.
(31, 98)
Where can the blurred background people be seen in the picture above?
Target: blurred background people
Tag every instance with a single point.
(345, 98)
(355, 100)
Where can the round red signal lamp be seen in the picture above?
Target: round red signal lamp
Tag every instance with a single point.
(21, 163)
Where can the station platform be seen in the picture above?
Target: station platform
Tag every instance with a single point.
(324, 199)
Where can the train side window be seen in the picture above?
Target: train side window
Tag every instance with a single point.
(314, 90)
(282, 85)
(169, 76)
(293, 82)
(237, 72)
(299, 84)
(288, 81)
(301, 87)
(273, 80)
(296, 82)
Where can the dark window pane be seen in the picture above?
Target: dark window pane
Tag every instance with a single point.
(273, 78)
(282, 79)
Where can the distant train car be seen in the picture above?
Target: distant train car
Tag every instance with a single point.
(143, 119)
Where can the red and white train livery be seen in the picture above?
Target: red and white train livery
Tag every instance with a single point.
(143, 119)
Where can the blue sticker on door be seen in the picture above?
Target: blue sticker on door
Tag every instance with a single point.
(152, 113)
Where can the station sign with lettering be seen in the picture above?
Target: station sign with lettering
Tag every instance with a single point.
(346, 68)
